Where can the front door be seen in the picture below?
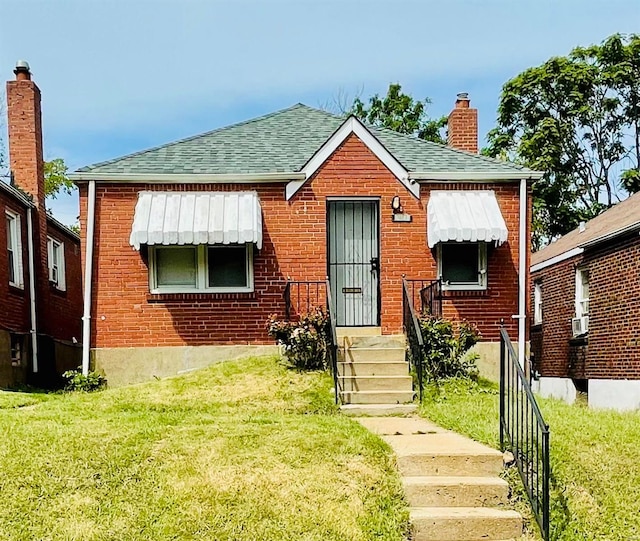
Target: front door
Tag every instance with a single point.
(354, 261)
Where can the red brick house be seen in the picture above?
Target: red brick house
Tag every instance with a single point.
(40, 273)
(586, 310)
(190, 245)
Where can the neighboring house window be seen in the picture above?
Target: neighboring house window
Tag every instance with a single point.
(55, 259)
(537, 303)
(16, 350)
(14, 249)
(184, 269)
(463, 265)
(581, 321)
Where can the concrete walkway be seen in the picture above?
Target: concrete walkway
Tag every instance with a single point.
(452, 483)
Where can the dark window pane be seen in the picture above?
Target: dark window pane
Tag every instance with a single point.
(460, 263)
(228, 266)
(176, 266)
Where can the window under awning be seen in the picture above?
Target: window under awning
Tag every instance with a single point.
(182, 218)
(460, 216)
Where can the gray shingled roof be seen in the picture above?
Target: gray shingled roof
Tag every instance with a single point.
(283, 142)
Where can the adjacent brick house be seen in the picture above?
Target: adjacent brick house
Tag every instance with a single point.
(40, 273)
(586, 310)
(190, 245)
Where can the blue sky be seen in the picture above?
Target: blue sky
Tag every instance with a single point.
(119, 76)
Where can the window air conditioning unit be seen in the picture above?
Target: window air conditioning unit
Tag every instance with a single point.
(580, 325)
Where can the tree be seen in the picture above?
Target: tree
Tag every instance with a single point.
(400, 112)
(576, 118)
(56, 180)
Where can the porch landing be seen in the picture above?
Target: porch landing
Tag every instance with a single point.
(373, 375)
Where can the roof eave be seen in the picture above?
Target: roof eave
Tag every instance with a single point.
(612, 235)
(186, 178)
(473, 176)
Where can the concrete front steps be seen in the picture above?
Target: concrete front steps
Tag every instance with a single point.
(373, 376)
(451, 482)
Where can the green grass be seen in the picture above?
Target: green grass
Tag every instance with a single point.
(244, 450)
(595, 457)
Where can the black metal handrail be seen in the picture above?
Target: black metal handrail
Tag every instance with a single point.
(426, 296)
(332, 341)
(301, 297)
(524, 432)
(412, 331)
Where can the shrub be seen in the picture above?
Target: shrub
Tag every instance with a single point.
(446, 351)
(77, 381)
(304, 341)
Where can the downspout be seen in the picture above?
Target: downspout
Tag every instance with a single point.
(88, 274)
(32, 292)
(522, 273)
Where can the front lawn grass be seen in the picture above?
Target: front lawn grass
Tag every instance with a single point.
(595, 457)
(244, 450)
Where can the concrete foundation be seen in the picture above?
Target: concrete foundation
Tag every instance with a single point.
(488, 362)
(125, 366)
(560, 388)
(617, 394)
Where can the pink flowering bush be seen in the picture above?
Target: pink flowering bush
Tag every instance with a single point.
(304, 341)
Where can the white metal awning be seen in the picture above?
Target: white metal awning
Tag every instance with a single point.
(464, 216)
(180, 218)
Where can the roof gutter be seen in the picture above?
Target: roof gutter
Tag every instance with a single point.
(186, 178)
(471, 176)
(608, 236)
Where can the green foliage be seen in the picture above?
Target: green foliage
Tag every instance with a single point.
(577, 118)
(446, 348)
(55, 178)
(304, 341)
(77, 381)
(400, 112)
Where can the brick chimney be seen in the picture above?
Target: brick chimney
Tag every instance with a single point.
(25, 134)
(462, 126)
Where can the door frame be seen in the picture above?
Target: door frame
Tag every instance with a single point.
(358, 199)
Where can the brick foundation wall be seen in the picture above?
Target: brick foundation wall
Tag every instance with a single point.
(613, 346)
(125, 314)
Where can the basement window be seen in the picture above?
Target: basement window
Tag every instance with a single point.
(462, 265)
(16, 349)
(201, 269)
(14, 250)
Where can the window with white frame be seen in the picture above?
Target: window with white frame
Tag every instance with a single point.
(189, 269)
(582, 292)
(14, 249)
(537, 303)
(55, 261)
(462, 265)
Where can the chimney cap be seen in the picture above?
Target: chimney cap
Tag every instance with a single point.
(22, 71)
(462, 96)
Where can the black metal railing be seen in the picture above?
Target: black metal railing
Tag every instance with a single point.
(412, 331)
(302, 297)
(524, 432)
(426, 296)
(332, 341)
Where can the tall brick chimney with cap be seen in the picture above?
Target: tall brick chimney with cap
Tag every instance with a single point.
(26, 159)
(462, 126)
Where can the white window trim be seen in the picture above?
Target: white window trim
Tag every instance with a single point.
(16, 246)
(580, 298)
(538, 314)
(54, 244)
(202, 275)
(481, 285)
